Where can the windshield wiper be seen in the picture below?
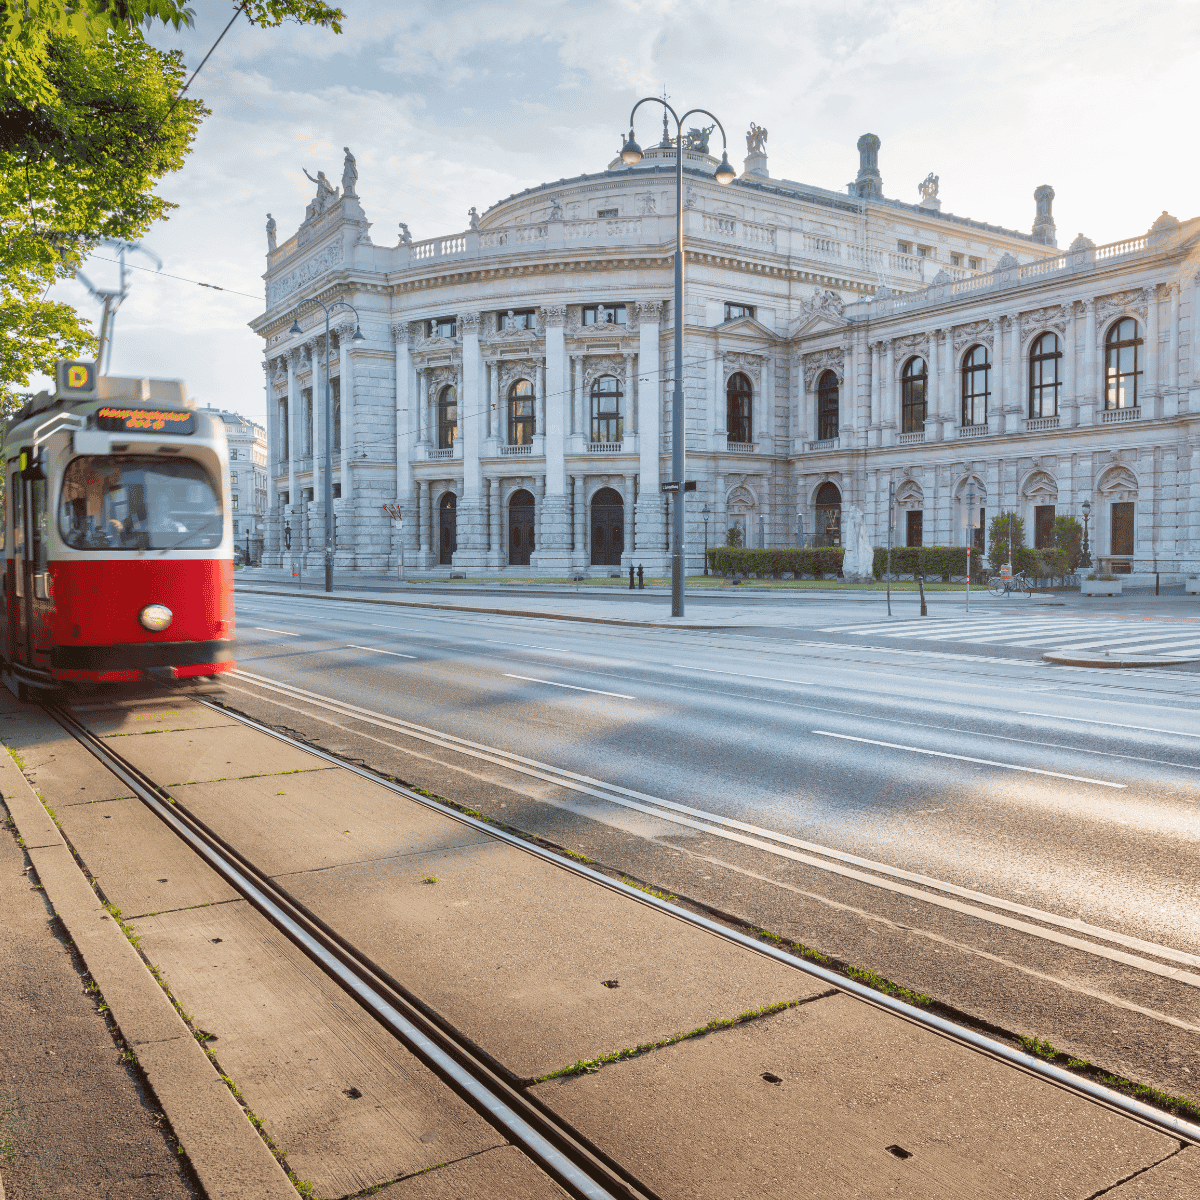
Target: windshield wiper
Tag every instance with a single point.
(187, 537)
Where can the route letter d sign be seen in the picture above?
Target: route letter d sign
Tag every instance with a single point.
(75, 380)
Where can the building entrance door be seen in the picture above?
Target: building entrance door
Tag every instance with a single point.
(448, 523)
(520, 528)
(608, 528)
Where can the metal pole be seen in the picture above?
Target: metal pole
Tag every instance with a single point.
(328, 468)
(891, 511)
(677, 469)
(970, 540)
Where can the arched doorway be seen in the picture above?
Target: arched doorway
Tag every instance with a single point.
(829, 515)
(520, 528)
(608, 528)
(448, 522)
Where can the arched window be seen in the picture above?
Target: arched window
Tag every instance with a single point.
(1044, 357)
(522, 421)
(1121, 365)
(827, 406)
(607, 425)
(976, 386)
(739, 408)
(913, 383)
(447, 411)
(829, 515)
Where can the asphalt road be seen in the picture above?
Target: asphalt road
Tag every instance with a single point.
(1018, 839)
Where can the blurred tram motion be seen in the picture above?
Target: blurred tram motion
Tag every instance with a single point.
(118, 543)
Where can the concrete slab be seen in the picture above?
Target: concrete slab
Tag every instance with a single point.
(856, 1089)
(1175, 1179)
(350, 1107)
(321, 819)
(1118, 658)
(200, 755)
(160, 716)
(139, 863)
(514, 951)
(504, 1172)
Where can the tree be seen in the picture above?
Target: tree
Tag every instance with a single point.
(91, 118)
(1067, 535)
(998, 539)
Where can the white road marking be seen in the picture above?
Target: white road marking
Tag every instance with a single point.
(743, 675)
(283, 632)
(526, 646)
(1111, 724)
(376, 650)
(987, 762)
(551, 683)
(724, 826)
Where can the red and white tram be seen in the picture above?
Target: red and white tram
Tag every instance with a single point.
(118, 541)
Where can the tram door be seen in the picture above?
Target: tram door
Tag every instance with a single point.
(29, 615)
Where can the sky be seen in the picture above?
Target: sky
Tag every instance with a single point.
(463, 103)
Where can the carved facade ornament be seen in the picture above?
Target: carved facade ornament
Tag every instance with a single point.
(433, 343)
(554, 316)
(1042, 486)
(327, 259)
(1118, 483)
(605, 364)
(748, 364)
(904, 347)
(740, 500)
(910, 493)
(436, 380)
(975, 332)
(510, 370)
(469, 322)
(1008, 262)
(647, 204)
(824, 360)
(1130, 303)
(825, 303)
(1054, 317)
(651, 311)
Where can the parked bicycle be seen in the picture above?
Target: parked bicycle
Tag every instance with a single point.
(999, 586)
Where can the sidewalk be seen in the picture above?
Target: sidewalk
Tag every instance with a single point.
(711, 1071)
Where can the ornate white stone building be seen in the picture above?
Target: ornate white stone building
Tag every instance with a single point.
(512, 390)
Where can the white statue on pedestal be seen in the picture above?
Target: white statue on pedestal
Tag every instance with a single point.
(858, 564)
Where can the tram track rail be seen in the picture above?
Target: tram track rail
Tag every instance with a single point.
(570, 1159)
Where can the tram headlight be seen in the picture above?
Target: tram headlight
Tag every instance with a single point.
(156, 617)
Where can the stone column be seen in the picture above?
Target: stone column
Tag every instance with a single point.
(1172, 405)
(1090, 402)
(352, 545)
(539, 512)
(1151, 405)
(553, 541)
(1195, 321)
(647, 515)
(1016, 402)
(272, 538)
(472, 404)
(579, 556)
(888, 404)
(293, 393)
(577, 395)
(429, 552)
(1069, 409)
(406, 409)
(935, 419)
(875, 427)
(496, 558)
(630, 391)
(995, 407)
(627, 534)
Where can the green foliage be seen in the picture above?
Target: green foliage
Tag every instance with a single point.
(91, 118)
(941, 561)
(733, 536)
(1068, 538)
(998, 540)
(817, 562)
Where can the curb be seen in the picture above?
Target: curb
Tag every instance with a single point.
(1065, 660)
(230, 1160)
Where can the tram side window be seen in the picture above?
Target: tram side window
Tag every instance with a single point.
(139, 503)
(17, 491)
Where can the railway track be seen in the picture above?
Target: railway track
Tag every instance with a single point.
(568, 1157)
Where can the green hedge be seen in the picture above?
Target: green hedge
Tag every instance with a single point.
(938, 561)
(775, 564)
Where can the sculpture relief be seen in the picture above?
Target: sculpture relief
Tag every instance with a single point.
(1132, 302)
(824, 303)
(748, 364)
(974, 333)
(326, 195)
(817, 364)
(317, 265)
(929, 187)
(756, 139)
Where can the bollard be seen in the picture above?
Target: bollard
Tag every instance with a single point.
(641, 578)
(631, 577)
(1156, 583)
(921, 585)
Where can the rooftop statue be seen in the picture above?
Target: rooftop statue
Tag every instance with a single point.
(929, 187)
(349, 174)
(270, 233)
(756, 139)
(473, 218)
(405, 236)
(326, 195)
(697, 139)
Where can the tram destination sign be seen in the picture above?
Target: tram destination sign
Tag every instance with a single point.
(145, 420)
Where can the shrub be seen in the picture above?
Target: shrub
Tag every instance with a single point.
(998, 540)
(733, 536)
(1068, 537)
(816, 562)
(943, 561)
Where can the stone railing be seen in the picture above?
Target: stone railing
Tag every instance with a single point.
(1037, 424)
(1110, 415)
(824, 444)
(970, 431)
(911, 439)
(605, 447)
(741, 447)
(1116, 249)
(446, 453)
(516, 451)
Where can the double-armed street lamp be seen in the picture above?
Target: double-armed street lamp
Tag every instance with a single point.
(1086, 558)
(706, 512)
(631, 154)
(357, 336)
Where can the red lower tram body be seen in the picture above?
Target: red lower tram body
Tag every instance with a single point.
(86, 627)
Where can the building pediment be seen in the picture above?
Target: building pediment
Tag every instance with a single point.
(746, 327)
(819, 323)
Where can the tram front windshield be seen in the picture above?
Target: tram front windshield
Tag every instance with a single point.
(139, 503)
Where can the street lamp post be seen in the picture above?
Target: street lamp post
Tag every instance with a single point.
(631, 154)
(705, 513)
(357, 336)
(1086, 558)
